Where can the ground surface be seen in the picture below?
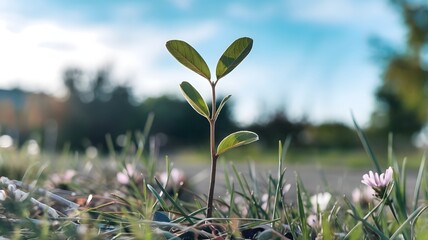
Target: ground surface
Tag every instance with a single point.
(338, 180)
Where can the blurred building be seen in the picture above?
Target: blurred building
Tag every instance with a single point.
(27, 114)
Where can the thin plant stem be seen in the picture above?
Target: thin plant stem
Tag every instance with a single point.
(394, 212)
(214, 155)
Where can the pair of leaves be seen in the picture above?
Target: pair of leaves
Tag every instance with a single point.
(199, 105)
(195, 100)
(231, 58)
(189, 57)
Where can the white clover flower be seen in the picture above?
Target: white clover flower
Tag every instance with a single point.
(379, 183)
(320, 201)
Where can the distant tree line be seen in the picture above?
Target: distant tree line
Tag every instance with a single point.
(103, 109)
(95, 108)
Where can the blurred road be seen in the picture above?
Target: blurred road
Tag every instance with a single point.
(336, 180)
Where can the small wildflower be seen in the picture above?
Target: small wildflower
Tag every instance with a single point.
(312, 221)
(241, 204)
(128, 174)
(82, 229)
(176, 180)
(285, 189)
(320, 201)
(62, 180)
(363, 196)
(91, 152)
(265, 201)
(377, 182)
(33, 148)
(6, 141)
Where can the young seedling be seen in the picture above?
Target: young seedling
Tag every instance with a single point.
(231, 58)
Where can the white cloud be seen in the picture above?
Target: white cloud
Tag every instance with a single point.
(252, 12)
(356, 15)
(182, 4)
(34, 56)
(127, 11)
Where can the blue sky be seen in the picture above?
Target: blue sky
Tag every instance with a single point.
(310, 57)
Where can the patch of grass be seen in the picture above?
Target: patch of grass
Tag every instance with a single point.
(152, 202)
(352, 158)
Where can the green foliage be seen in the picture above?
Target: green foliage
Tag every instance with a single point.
(231, 58)
(235, 140)
(195, 99)
(222, 103)
(256, 209)
(402, 95)
(189, 57)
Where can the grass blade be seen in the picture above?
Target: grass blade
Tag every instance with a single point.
(301, 208)
(174, 202)
(414, 216)
(418, 183)
(158, 197)
(366, 145)
(381, 204)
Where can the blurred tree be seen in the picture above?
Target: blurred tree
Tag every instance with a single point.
(72, 122)
(278, 127)
(181, 126)
(103, 108)
(403, 95)
(329, 135)
(93, 113)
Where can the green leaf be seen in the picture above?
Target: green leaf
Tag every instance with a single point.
(195, 99)
(233, 56)
(418, 184)
(411, 219)
(366, 145)
(174, 202)
(189, 57)
(158, 197)
(236, 139)
(301, 207)
(223, 102)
